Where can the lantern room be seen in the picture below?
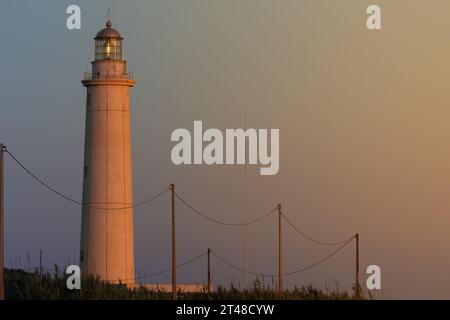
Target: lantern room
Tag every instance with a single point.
(108, 44)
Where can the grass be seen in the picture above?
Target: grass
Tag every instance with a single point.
(21, 285)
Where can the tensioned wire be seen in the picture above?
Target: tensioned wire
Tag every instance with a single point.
(185, 202)
(70, 199)
(287, 273)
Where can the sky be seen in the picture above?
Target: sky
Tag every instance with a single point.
(363, 118)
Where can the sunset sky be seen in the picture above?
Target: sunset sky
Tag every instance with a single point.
(363, 117)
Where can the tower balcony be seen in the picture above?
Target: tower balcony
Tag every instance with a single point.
(107, 75)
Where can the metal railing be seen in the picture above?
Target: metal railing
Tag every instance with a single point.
(108, 76)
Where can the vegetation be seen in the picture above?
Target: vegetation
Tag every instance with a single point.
(21, 285)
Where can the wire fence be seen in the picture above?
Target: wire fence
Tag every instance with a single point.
(286, 274)
(222, 222)
(73, 200)
(198, 257)
(341, 244)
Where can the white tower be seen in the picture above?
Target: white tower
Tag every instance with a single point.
(107, 248)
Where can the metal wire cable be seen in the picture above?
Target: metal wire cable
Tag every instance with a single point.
(222, 222)
(70, 199)
(31, 269)
(240, 269)
(288, 273)
(41, 181)
(138, 204)
(151, 275)
(320, 261)
(310, 238)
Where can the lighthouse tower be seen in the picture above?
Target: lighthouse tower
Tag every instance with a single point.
(107, 248)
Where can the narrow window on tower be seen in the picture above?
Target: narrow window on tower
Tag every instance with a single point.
(88, 102)
(81, 255)
(85, 172)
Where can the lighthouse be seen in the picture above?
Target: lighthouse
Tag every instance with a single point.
(107, 232)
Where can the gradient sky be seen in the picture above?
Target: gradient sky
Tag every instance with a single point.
(363, 120)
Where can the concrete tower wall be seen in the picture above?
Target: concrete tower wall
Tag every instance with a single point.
(107, 248)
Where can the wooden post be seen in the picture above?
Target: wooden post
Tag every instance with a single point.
(174, 255)
(40, 263)
(2, 221)
(209, 271)
(358, 288)
(280, 251)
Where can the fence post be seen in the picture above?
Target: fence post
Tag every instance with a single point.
(280, 251)
(209, 271)
(2, 220)
(174, 255)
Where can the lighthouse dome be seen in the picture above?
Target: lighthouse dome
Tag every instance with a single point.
(108, 33)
